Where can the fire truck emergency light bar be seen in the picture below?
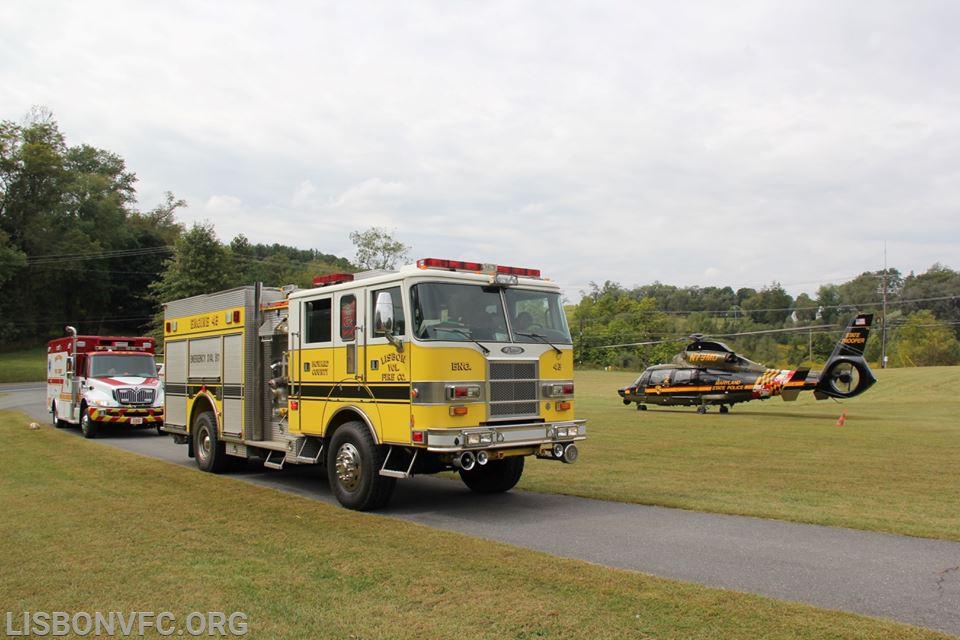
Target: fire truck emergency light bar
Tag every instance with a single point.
(458, 265)
(333, 278)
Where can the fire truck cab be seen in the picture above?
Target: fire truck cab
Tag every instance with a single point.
(442, 365)
(96, 380)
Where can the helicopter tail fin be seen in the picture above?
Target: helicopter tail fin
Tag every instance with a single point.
(847, 373)
(795, 385)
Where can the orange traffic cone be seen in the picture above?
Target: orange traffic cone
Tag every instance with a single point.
(842, 419)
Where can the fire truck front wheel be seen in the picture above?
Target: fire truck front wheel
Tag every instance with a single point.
(497, 476)
(353, 467)
(209, 451)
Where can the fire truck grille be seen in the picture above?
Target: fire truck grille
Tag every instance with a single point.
(136, 395)
(513, 390)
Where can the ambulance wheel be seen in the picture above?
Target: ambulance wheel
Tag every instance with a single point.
(211, 454)
(724, 409)
(57, 422)
(88, 426)
(353, 468)
(497, 476)
(641, 407)
(702, 408)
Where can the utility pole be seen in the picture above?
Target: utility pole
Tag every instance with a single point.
(883, 320)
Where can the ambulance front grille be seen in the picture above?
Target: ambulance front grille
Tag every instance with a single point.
(136, 395)
(513, 390)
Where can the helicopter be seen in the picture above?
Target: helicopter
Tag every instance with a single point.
(710, 373)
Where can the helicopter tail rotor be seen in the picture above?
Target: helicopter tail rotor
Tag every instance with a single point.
(847, 374)
(844, 377)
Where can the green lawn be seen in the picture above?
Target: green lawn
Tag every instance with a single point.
(87, 528)
(892, 467)
(24, 366)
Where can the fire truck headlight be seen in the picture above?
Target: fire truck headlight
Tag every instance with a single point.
(103, 402)
(476, 439)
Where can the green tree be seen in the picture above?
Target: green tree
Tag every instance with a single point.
(200, 264)
(377, 249)
(608, 316)
(73, 249)
(771, 305)
(805, 308)
(923, 341)
(938, 289)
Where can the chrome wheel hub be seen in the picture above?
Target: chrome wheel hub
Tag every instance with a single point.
(348, 466)
(205, 445)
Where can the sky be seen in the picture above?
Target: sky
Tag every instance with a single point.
(700, 143)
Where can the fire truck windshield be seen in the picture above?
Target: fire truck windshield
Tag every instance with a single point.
(472, 312)
(132, 365)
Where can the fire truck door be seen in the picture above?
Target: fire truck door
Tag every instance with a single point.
(348, 337)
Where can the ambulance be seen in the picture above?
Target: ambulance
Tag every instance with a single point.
(94, 381)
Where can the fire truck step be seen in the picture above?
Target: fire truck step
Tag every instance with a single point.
(399, 460)
(275, 460)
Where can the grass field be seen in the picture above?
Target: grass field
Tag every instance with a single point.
(87, 528)
(892, 467)
(24, 366)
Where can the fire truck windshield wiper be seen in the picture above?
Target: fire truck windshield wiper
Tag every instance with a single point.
(468, 337)
(542, 339)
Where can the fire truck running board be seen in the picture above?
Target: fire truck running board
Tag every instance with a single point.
(398, 473)
(307, 451)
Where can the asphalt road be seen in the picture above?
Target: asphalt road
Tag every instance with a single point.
(912, 580)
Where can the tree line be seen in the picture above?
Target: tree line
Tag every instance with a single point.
(917, 320)
(74, 249)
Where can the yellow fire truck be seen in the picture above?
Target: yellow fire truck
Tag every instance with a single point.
(437, 366)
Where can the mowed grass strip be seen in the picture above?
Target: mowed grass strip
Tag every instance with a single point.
(892, 467)
(87, 528)
(28, 365)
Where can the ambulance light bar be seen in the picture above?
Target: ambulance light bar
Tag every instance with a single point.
(458, 265)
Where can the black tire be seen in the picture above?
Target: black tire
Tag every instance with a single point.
(702, 408)
(497, 476)
(57, 422)
(160, 431)
(210, 452)
(88, 426)
(353, 467)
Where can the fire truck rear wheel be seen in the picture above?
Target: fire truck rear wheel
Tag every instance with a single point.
(353, 468)
(88, 426)
(497, 476)
(210, 452)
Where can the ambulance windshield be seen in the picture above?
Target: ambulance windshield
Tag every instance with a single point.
(132, 365)
(472, 312)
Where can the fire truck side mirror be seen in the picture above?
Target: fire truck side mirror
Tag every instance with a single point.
(383, 313)
(383, 321)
